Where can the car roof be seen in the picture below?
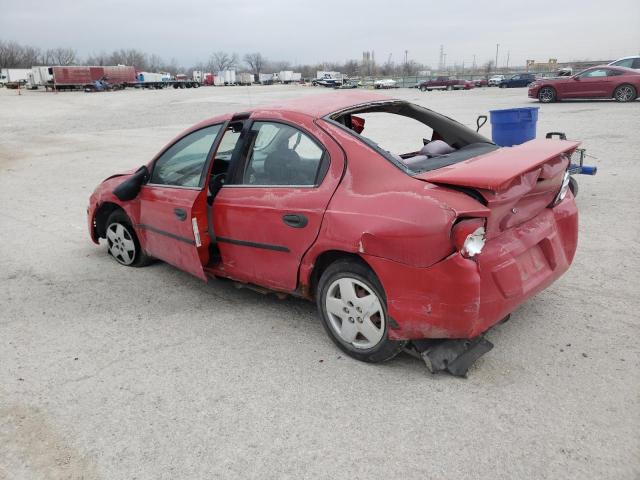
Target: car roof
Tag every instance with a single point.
(320, 105)
(624, 58)
(612, 67)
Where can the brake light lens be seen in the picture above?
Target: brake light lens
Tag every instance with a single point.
(469, 237)
(563, 189)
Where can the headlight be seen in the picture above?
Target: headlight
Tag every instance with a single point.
(469, 237)
(563, 189)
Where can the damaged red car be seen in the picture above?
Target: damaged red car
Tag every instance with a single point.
(405, 226)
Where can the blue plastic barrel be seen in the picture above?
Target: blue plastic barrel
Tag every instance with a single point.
(513, 126)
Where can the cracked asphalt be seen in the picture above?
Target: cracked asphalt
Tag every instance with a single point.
(108, 372)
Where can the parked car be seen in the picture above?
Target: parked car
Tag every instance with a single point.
(517, 80)
(445, 83)
(393, 246)
(385, 83)
(481, 82)
(495, 80)
(627, 62)
(622, 84)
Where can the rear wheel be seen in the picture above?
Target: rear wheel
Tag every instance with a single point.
(122, 242)
(353, 309)
(625, 93)
(547, 95)
(423, 89)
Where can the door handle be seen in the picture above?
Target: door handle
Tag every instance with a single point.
(295, 220)
(180, 213)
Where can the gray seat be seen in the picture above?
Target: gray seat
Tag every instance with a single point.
(282, 167)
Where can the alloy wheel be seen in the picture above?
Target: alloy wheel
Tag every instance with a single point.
(624, 93)
(121, 244)
(546, 95)
(355, 313)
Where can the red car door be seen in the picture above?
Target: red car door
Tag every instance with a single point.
(270, 211)
(592, 83)
(172, 219)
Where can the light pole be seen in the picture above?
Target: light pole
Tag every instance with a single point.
(497, 48)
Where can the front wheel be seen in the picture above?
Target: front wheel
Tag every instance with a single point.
(625, 93)
(353, 310)
(547, 95)
(122, 242)
(423, 89)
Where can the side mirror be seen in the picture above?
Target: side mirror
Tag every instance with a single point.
(576, 78)
(129, 189)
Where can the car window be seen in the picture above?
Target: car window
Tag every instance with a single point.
(396, 134)
(627, 62)
(281, 155)
(515, 77)
(636, 63)
(601, 72)
(183, 163)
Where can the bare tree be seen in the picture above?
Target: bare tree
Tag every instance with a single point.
(10, 54)
(155, 62)
(223, 61)
(61, 56)
(255, 61)
(489, 66)
(99, 59)
(131, 57)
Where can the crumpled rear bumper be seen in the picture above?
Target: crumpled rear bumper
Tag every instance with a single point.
(462, 298)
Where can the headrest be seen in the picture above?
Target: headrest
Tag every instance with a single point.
(436, 148)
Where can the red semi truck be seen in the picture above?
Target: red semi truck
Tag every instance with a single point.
(71, 78)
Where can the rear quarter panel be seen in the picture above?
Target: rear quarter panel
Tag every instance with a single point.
(378, 210)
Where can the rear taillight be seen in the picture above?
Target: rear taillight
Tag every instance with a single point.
(563, 189)
(468, 236)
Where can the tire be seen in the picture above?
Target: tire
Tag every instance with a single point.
(625, 93)
(122, 242)
(449, 87)
(547, 95)
(503, 85)
(423, 89)
(573, 186)
(358, 333)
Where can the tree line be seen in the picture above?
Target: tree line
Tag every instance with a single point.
(16, 55)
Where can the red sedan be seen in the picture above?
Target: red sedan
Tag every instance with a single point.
(622, 84)
(438, 242)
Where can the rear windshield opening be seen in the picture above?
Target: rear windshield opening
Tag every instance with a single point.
(413, 138)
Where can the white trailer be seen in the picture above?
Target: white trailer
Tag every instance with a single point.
(14, 75)
(265, 78)
(296, 77)
(285, 76)
(228, 77)
(245, 78)
(39, 77)
(150, 77)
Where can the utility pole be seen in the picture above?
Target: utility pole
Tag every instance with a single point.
(441, 62)
(406, 53)
(508, 53)
(444, 61)
(474, 62)
(497, 48)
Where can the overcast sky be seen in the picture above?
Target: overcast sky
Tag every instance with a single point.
(327, 30)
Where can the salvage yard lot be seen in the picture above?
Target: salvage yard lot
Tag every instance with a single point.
(110, 372)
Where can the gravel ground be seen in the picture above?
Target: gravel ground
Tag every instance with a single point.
(115, 373)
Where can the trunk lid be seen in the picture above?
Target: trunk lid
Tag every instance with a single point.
(517, 182)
